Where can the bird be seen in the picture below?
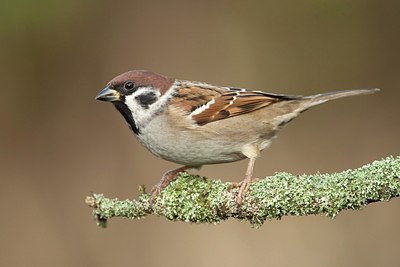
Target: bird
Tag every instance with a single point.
(195, 123)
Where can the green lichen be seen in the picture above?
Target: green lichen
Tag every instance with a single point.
(196, 199)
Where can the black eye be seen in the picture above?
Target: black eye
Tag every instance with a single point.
(129, 85)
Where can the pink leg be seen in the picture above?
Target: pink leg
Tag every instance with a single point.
(165, 180)
(245, 184)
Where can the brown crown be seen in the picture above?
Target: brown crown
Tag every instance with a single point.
(143, 78)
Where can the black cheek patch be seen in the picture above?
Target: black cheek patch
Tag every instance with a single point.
(145, 100)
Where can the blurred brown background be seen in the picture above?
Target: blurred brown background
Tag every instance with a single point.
(58, 144)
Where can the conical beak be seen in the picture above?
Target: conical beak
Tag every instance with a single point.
(108, 94)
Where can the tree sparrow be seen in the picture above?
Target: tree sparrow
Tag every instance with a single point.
(195, 123)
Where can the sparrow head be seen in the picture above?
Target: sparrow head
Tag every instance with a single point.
(135, 94)
(135, 82)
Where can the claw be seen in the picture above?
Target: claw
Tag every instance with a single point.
(154, 192)
(233, 185)
(166, 179)
(245, 184)
(244, 188)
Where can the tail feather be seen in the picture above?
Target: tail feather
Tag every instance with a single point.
(293, 107)
(322, 98)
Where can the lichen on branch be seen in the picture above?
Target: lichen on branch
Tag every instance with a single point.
(200, 200)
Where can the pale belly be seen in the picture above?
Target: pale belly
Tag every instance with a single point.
(184, 150)
(213, 143)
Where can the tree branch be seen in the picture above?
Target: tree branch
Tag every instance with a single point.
(200, 200)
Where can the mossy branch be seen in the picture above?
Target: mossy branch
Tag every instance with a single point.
(200, 200)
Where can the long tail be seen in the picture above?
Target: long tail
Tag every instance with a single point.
(322, 98)
(287, 110)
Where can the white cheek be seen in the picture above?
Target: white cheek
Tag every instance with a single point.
(131, 102)
(138, 113)
(142, 115)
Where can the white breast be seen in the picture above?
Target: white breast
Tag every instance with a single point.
(188, 146)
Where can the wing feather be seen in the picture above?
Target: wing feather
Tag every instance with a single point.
(206, 103)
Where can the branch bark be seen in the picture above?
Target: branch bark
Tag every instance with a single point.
(200, 200)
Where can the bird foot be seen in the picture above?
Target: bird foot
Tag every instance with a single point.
(244, 187)
(164, 182)
(166, 179)
(233, 185)
(154, 192)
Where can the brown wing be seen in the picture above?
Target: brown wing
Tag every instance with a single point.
(231, 104)
(206, 103)
(192, 95)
